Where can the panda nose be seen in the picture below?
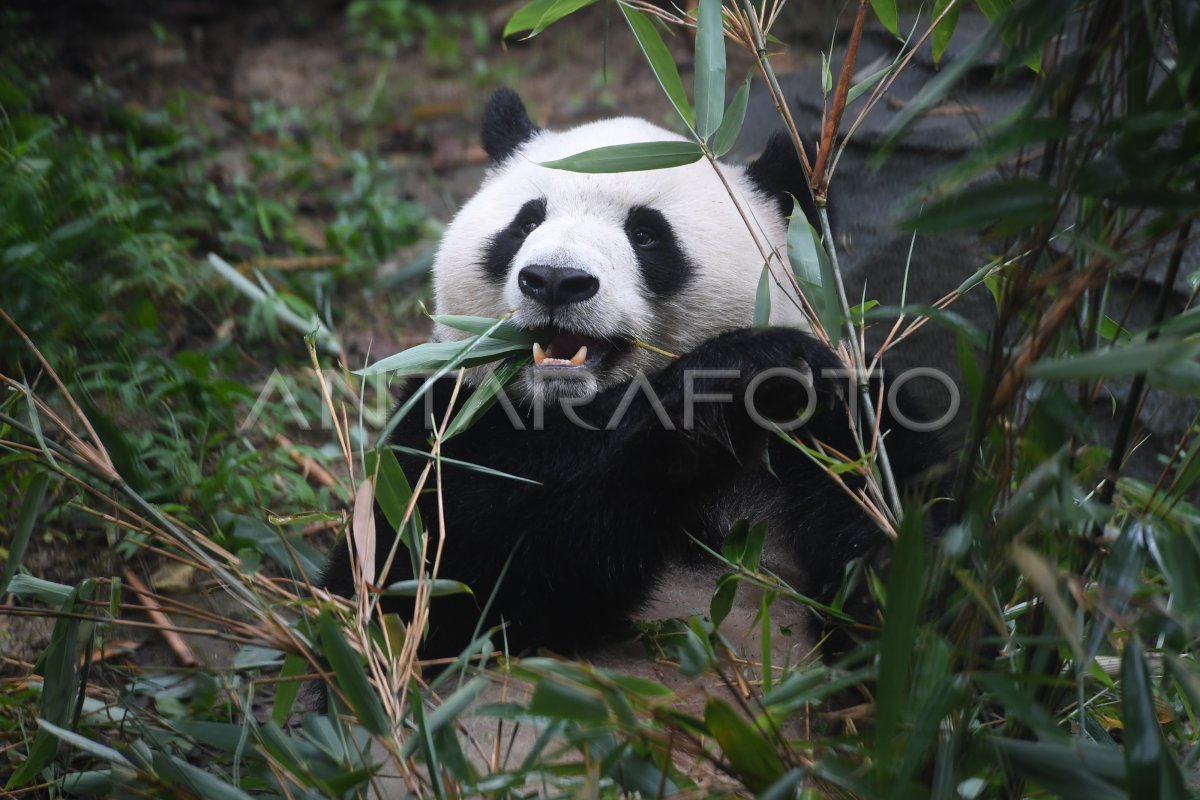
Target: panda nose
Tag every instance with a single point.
(556, 286)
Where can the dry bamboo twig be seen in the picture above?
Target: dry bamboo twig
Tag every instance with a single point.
(179, 646)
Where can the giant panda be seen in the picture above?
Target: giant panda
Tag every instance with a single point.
(630, 453)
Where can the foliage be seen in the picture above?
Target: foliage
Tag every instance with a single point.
(1041, 642)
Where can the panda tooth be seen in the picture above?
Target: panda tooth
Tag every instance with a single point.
(580, 356)
(539, 355)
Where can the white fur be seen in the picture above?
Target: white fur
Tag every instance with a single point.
(584, 229)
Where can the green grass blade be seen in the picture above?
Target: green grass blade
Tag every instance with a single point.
(659, 57)
(30, 506)
(637, 157)
(710, 68)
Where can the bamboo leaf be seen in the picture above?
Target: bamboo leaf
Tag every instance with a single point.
(762, 299)
(430, 356)
(945, 29)
(812, 268)
(710, 68)
(535, 17)
(83, 743)
(722, 599)
(750, 755)
(1151, 768)
(489, 326)
(731, 123)
(885, 11)
(1002, 207)
(348, 670)
(1116, 361)
(557, 700)
(637, 157)
(287, 690)
(363, 530)
(31, 505)
(905, 590)
(392, 491)
(659, 57)
(440, 587)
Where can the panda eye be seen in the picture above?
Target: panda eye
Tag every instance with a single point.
(643, 238)
(529, 226)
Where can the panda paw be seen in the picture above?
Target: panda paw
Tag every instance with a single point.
(775, 376)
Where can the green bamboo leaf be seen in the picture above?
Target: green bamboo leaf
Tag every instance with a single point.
(31, 505)
(535, 17)
(60, 685)
(47, 592)
(440, 587)
(945, 29)
(100, 751)
(1116, 362)
(731, 123)
(710, 68)
(885, 10)
(722, 599)
(557, 700)
(349, 674)
(287, 690)
(750, 755)
(392, 491)
(482, 470)
(762, 299)
(905, 590)
(480, 326)
(1079, 771)
(660, 60)
(997, 13)
(1151, 768)
(178, 772)
(637, 157)
(1002, 207)
(446, 713)
(812, 268)
(436, 355)
(866, 83)
(484, 396)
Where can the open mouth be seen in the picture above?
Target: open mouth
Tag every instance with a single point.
(555, 348)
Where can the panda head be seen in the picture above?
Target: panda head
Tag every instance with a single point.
(597, 264)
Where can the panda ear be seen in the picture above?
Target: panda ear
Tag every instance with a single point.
(506, 125)
(778, 174)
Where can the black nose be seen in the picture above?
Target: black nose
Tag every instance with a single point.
(556, 286)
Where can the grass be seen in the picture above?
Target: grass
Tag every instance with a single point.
(1043, 643)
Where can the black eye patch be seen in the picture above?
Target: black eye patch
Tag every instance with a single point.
(665, 268)
(503, 247)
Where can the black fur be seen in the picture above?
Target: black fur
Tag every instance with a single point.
(503, 247)
(588, 544)
(506, 125)
(664, 267)
(777, 172)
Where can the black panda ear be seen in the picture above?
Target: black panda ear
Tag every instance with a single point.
(506, 125)
(778, 173)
